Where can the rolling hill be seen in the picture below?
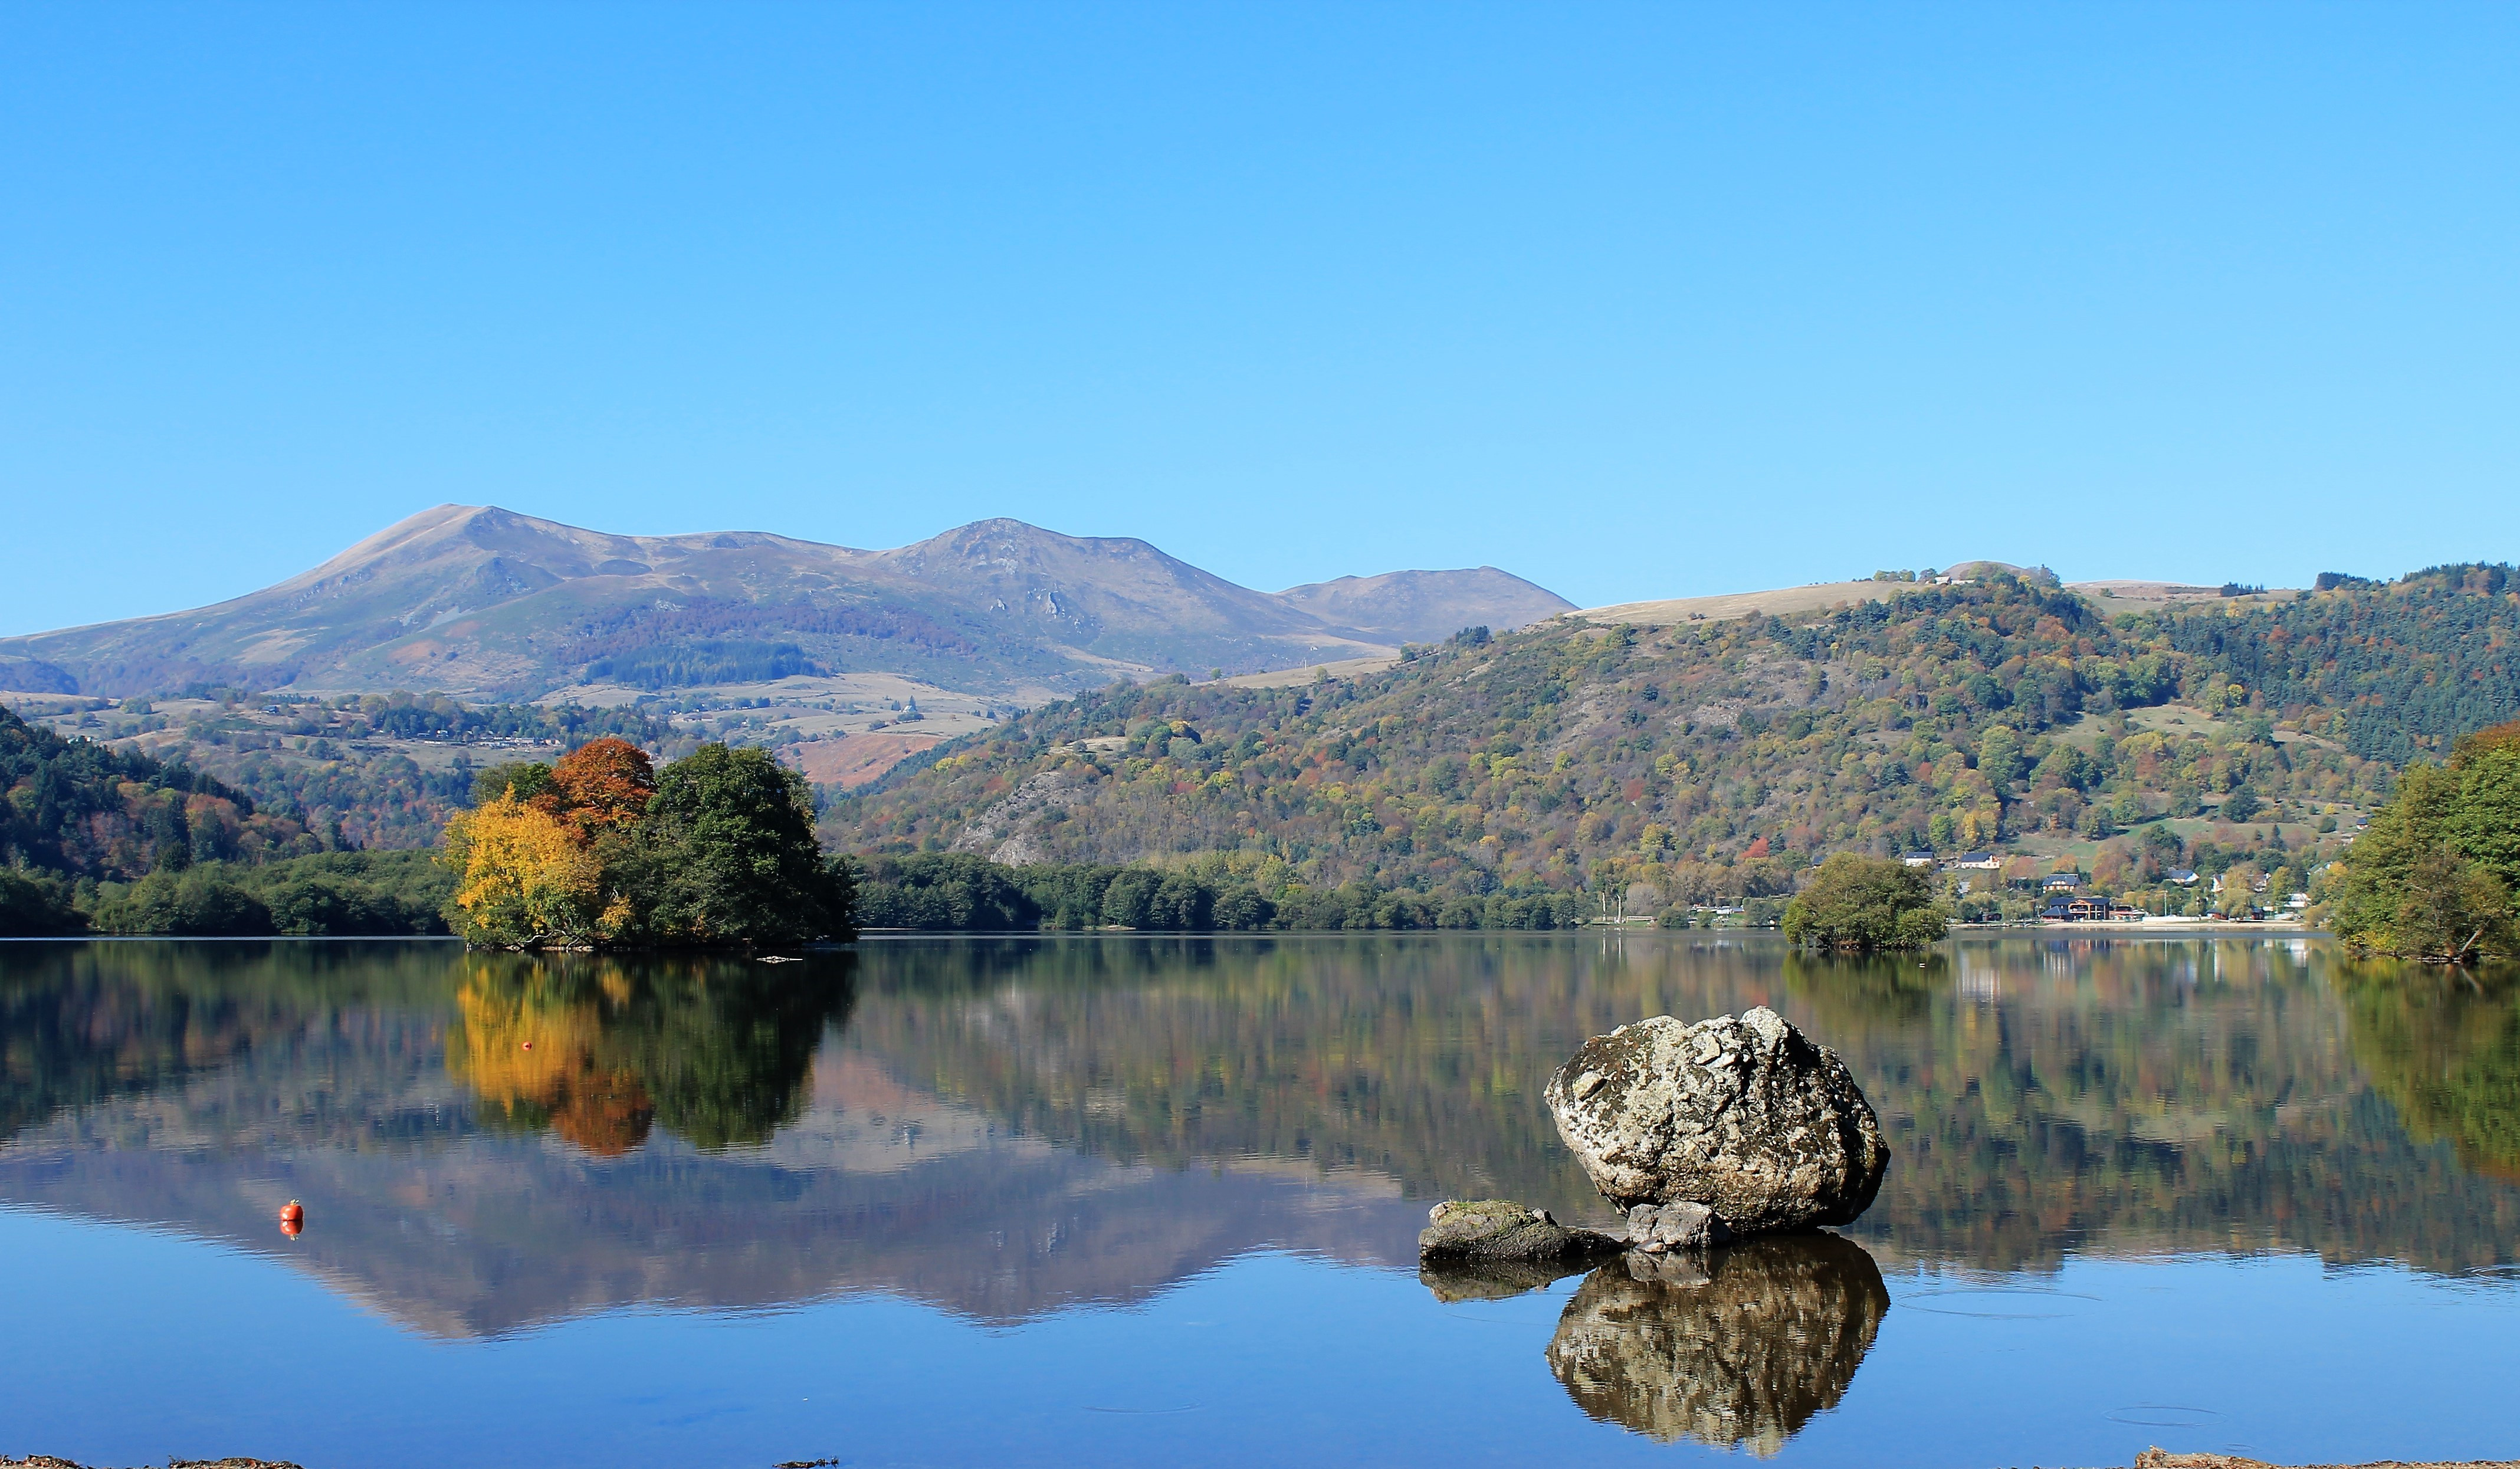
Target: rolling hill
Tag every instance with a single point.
(486, 604)
(1707, 758)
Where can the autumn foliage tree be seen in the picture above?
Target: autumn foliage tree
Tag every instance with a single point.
(602, 785)
(599, 849)
(525, 879)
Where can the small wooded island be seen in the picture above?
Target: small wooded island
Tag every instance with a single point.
(603, 850)
(1865, 903)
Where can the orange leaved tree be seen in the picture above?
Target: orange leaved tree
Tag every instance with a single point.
(602, 785)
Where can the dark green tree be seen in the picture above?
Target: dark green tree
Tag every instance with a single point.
(1129, 901)
(523, 779)
(1865, 903)
(727, 856)
(196, 902)
(943, 891)
(36, 905)
(2433, 878)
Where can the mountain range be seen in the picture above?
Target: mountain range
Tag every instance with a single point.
(485, 603)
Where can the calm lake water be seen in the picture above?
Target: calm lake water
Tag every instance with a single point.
(1155, 1201)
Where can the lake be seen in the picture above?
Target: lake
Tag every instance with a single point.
(1156, 1200)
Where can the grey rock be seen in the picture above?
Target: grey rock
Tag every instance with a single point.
(1740, 1346)
(1678, 1226)
(1747, 1116)
(1494, 1229)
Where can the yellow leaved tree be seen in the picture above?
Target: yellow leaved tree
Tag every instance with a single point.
(525, 877)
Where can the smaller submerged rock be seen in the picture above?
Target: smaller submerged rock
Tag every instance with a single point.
(1503, 1230)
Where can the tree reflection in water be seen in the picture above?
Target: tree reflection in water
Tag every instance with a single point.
(1740, 1348)
(598, 1048)
(2443, 1044)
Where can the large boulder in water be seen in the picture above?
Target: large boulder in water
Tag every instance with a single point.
(1749, 1117)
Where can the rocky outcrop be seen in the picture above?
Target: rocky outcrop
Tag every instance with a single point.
(1740, 1346)
(1499, 1230)
(1006, 832)
(1749, 1117)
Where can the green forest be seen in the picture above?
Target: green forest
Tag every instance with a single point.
(1715, 761)
(2434, 876)
(95, 837)
(345, 765)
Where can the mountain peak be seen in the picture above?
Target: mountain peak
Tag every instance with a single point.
(481, 600)
(1425, 607)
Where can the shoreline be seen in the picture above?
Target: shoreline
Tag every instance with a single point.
(2152, 925)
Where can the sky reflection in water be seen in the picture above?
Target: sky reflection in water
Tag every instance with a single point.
(1156, 1200)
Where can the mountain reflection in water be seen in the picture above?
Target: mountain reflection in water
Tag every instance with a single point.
(487, 1143)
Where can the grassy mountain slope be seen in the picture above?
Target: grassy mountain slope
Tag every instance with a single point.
(485, 603)
(1715, 758)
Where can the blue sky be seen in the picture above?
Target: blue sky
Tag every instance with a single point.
(1633, 301)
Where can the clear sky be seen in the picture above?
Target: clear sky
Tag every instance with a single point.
(1634, 302)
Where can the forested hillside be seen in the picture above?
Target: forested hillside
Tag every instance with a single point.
(2405, 668)
(1519, 779)
(86, 810)
(367, 771)
(1715, 759)
(95, 836)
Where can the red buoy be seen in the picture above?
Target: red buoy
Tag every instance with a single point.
(293, 1217)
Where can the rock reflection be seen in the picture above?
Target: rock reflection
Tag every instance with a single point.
(1457, 1281)
(1741, 1347)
